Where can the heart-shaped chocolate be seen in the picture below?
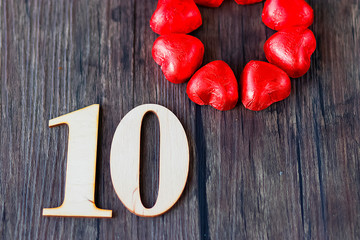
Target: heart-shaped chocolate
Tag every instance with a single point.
(175, 16)
(209, 3)
(179, 56)
(263, 84)
(281, 14)
(246, 2)
(214, 84)
(291, 50)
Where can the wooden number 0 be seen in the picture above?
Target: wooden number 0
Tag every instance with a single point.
(124, 162)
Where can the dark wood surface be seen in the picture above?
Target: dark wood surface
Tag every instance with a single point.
(289, 172)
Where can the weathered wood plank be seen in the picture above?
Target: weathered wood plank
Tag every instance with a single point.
(289, 172)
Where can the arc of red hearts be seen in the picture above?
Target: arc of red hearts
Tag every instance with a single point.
(287, 51)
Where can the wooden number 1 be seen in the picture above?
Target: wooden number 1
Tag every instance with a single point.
(81, 165)
(125, 160)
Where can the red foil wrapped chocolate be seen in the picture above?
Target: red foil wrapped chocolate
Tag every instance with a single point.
(175, 16)
(214, 84)
(281, 14)
(263, 84)
(291, 50)
(179, 56)
(209, 3)
(246, 2)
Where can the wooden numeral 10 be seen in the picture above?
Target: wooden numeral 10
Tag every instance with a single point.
(124, 162)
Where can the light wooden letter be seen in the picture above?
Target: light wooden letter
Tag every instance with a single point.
(125, 160)
(81, 165)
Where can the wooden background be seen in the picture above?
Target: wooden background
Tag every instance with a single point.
(289, 172)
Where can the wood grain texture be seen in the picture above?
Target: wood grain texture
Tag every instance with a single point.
(289, 172)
